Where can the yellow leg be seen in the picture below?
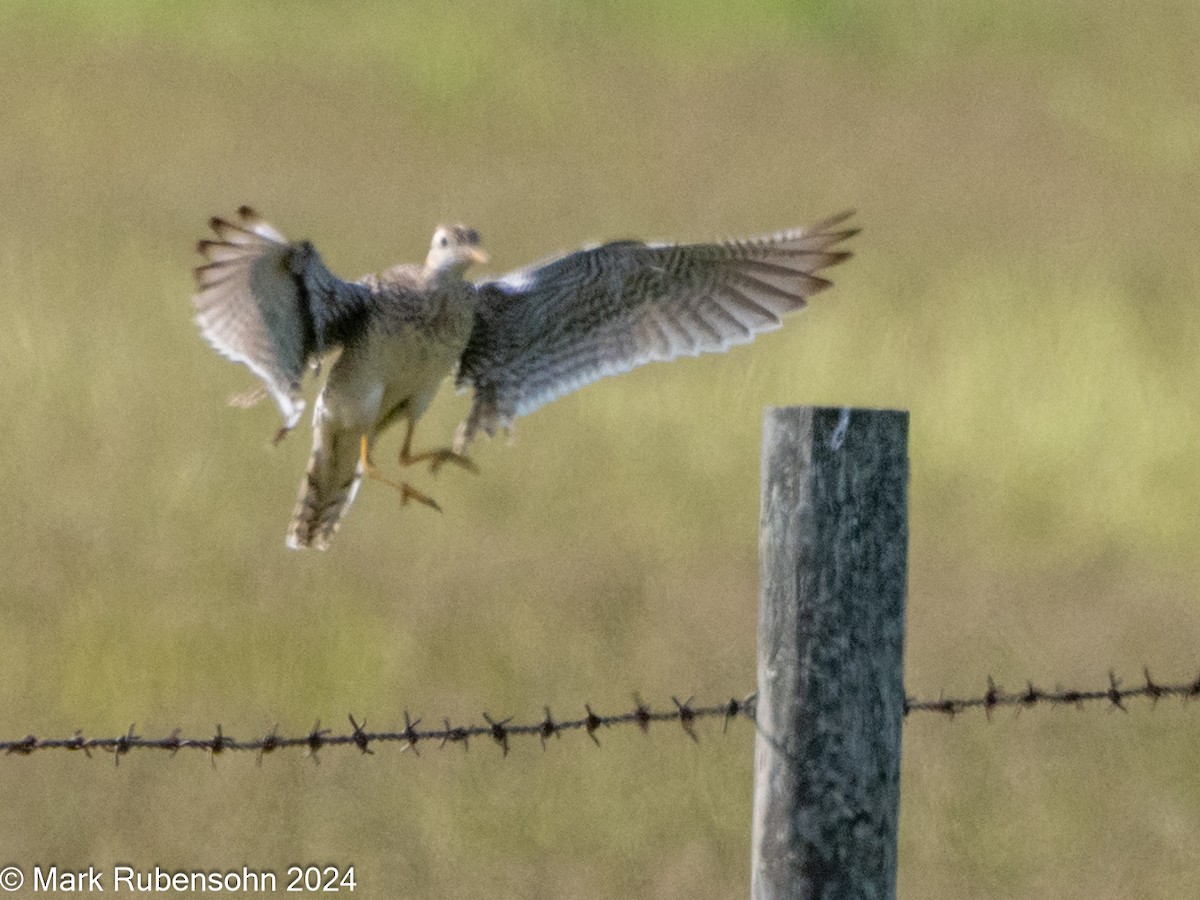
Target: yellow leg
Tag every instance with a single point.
(435, 457)
(407, 491)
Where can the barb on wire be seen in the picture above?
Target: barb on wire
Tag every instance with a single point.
(501, 731)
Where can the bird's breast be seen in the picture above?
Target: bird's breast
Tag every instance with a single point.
(394, 367)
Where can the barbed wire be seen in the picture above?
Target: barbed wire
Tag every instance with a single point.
(412, 736)
(1114, 696)
(501, 731)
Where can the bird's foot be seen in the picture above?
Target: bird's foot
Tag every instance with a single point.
(407, 491)
(437, 458)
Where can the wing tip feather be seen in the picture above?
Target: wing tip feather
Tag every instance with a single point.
(829, 222)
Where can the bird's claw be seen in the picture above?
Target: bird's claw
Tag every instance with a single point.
(439, 457)
(435, 458)
(408, 492)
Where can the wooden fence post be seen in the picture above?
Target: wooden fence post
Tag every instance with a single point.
(834, 550)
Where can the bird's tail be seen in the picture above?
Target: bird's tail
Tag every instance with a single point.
(328, 488)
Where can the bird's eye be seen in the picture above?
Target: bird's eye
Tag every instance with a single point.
(443, 241)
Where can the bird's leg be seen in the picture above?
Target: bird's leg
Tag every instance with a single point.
(407, 491)
(435, 457)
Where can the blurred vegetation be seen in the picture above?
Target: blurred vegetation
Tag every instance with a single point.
(1026, 284)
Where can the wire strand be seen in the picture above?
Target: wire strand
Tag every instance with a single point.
(502, 731)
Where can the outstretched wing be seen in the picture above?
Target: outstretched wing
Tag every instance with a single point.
(270, 304)
(544, 331)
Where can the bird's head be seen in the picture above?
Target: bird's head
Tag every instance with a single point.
(454, 248)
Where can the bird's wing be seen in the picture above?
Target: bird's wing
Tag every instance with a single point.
(270, 304)
(544, 331)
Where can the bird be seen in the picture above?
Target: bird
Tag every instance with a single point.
(516, 342)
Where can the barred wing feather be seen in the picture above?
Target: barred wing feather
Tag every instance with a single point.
(550, 329)
(267, 303)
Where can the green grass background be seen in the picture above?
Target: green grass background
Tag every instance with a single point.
(1027, 176)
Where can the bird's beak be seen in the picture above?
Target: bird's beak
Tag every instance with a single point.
(477, 256)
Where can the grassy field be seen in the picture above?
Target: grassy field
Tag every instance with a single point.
(1026, 175)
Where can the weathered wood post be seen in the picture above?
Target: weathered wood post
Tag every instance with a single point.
(834, 551)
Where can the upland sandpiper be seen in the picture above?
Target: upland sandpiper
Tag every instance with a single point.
(518, 341)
